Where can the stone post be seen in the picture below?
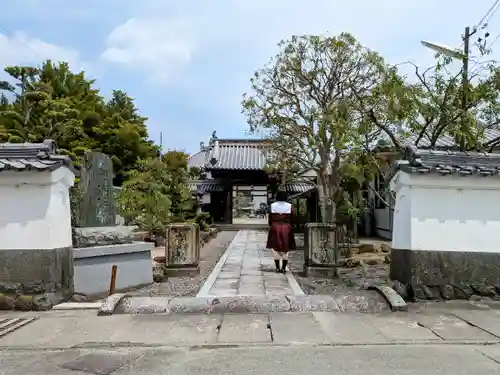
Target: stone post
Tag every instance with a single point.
(182, 249)
(320, 250)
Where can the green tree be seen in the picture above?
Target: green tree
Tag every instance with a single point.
(144, 197)
(183, 204)
(53, 102)
(122, 134)
(155, 193)
(433, 106)
(307, 99)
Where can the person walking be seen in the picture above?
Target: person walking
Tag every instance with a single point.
(280, 236)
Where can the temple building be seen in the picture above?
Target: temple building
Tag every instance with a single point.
(234, 186)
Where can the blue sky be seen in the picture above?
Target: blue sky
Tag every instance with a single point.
(187, 62)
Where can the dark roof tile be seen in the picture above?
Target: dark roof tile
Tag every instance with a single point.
(32, 156)
(207, 186)
(449, 163)
(231, 154)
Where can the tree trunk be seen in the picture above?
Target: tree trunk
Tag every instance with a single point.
(327, 204)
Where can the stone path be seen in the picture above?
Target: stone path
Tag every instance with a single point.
(247, 269)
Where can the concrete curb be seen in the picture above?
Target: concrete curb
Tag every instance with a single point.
(78, 306)
(360, 301)
(110, 304)
(396, 302)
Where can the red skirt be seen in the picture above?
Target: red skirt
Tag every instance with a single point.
(280, 237)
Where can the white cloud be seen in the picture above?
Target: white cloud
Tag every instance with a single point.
(22, 49)
(158, 47)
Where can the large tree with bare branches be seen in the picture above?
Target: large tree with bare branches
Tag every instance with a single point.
(435, 110)
(309, 97)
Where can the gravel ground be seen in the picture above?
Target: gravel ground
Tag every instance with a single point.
(189, 286)
(350, 278)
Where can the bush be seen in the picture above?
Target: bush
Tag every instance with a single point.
(144, 198)
(203, 220)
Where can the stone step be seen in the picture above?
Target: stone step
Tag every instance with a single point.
(363, 301)
(236, 227)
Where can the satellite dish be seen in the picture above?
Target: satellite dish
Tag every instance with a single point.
(447, 51)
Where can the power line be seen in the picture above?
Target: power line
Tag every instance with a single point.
(494, 41)
(12, 36)
(489, 13)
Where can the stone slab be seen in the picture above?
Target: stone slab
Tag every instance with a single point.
(56, 331)
(349, 328)
(110, 304)
(312, 303)
(253, 291)
(365, 301)
(141, 305)
(296, 328)
(176, 330)
(401, 327)
(173, 271)
(451, 327)
(487, 320)
(244, 328)
(491, 352)
(101, 236)
(115, 249)
(247, 260)
(78, 306)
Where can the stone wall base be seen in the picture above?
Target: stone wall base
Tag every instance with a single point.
(436, 275)
(35, 279)
(314, 271)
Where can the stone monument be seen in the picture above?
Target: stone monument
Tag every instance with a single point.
(96, 234)
(98, 206)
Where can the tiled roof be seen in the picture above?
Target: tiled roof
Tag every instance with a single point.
(31, 156)
(204, 186)
(443, 142)
(198, 159)
(239, 154)
(449, 162)
(298, 187)
(207, 186)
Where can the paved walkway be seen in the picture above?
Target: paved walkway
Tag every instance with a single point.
(247, 269)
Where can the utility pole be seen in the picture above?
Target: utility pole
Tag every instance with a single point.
(465, 86)
(465, 83)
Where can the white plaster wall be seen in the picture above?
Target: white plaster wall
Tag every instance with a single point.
(35, 210)
(447, 213)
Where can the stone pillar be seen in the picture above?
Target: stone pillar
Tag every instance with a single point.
(36, 255)
(320, 250)
(182, 249)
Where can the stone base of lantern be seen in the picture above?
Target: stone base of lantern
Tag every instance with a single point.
(316, 271)
(181, 271)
